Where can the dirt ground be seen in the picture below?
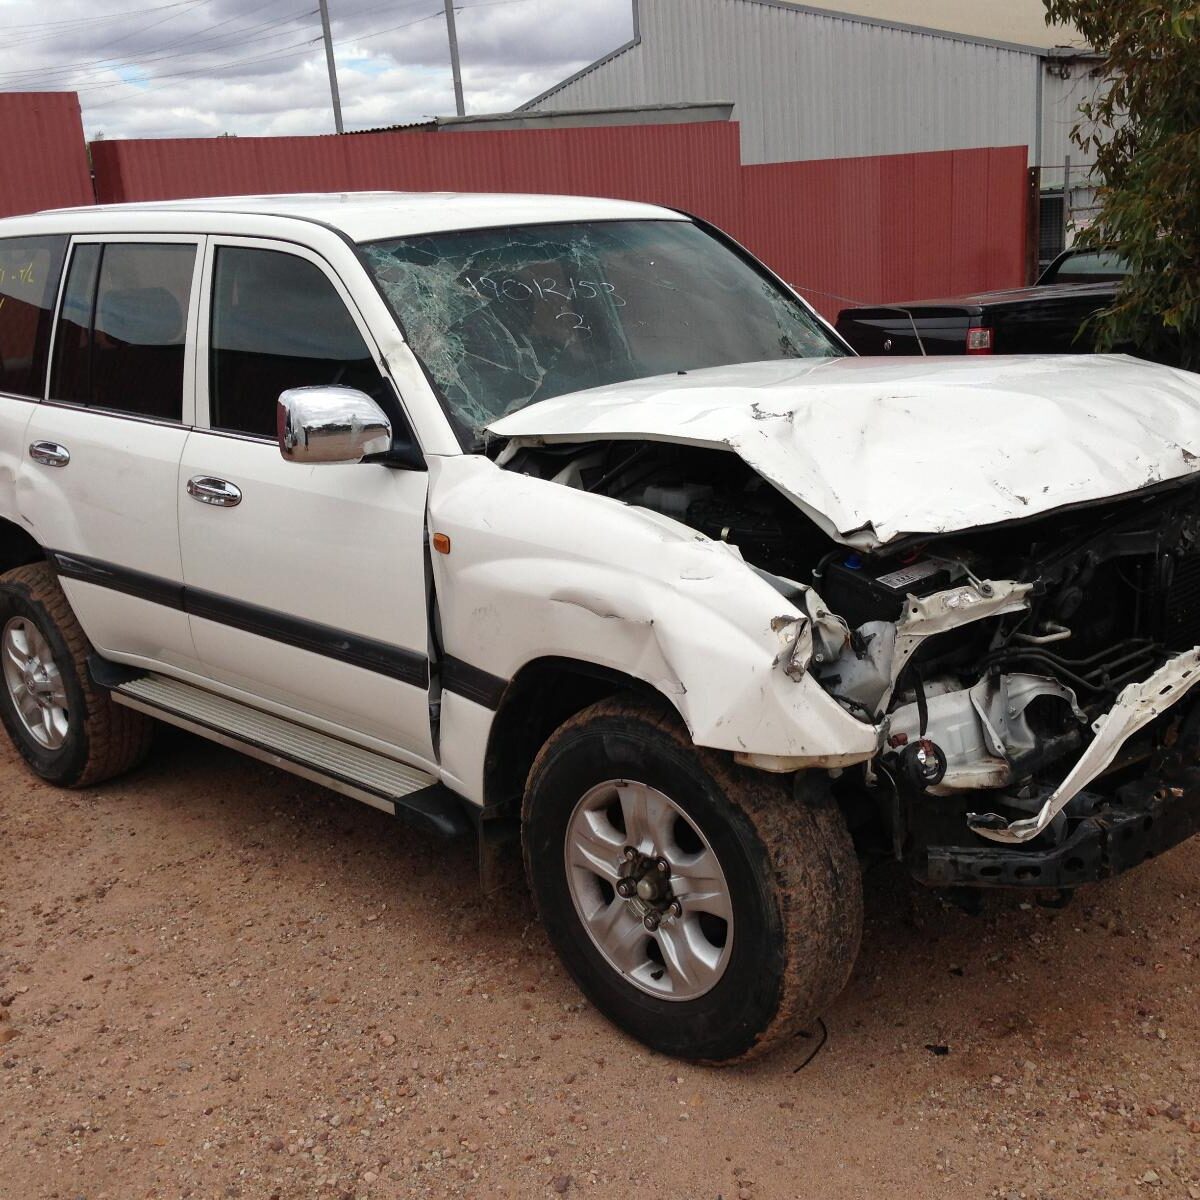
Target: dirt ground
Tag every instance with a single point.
(217, 980)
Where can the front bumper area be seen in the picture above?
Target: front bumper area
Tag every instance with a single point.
(1137, 706)
(1108, 835)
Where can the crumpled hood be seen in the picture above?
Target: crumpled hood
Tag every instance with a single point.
(874, 449)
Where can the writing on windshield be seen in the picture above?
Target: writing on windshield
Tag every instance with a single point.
(502, 318)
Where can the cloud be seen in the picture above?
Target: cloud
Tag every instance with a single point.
(194, 68)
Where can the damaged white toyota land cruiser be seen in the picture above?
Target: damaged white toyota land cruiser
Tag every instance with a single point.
(565, 517)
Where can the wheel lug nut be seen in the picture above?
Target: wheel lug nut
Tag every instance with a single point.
(651, 921)
(630, 853)
(662, 866)
(676, 909)
(626, 888)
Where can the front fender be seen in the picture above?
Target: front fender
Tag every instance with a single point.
(539, 569)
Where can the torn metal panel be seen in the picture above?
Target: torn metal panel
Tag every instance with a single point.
(869, 676)
(1137, 705)
(926, 616)
(542, 571)
(875, 450)
(982, 729)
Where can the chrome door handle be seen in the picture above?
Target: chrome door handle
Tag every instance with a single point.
(210, 490)
(49, 454)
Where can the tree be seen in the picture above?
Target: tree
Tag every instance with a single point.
(1143, 125)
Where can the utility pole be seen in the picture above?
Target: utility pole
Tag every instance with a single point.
(333, 87)
(458, 92)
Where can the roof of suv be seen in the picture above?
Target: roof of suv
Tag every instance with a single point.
(364, 216)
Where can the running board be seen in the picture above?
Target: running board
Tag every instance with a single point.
(383, 783)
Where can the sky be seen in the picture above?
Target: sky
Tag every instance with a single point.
(196, 68)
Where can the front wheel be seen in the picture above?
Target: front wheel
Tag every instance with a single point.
(703, 907)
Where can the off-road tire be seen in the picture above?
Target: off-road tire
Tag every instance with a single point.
(103, 738)
(783, 845)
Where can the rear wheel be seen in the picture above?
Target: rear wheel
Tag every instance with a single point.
(707, 909)
(66, 728)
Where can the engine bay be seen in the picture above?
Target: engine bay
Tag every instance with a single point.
(1076, 605)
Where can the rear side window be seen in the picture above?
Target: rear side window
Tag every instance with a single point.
(120, 339)
(30, 269)
(1087, 266)
(277, 323)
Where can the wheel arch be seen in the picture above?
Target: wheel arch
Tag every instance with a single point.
(543, 694)
(18, 547)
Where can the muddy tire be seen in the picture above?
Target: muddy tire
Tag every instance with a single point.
(66, 728)
(709, 910)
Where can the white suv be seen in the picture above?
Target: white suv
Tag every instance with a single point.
(565, 517)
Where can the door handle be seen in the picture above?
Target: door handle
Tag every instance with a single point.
(210, 490)
(49, 454)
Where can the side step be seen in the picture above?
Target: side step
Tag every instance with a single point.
(382, 782)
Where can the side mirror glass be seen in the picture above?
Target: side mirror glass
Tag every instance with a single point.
(330, 425)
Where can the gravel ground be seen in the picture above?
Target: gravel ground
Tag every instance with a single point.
(216, 980)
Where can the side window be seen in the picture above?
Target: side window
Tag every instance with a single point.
(71, 378)
(30, 269)
(121, 332)
(277, 323)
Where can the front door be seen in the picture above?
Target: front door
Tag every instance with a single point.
(305, 584)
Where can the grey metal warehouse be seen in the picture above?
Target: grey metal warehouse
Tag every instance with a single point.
(808, 83)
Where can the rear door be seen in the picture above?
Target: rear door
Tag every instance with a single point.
(306, 584)
(99, 479)
(30, 275)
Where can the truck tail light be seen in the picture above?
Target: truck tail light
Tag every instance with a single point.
(979, 341)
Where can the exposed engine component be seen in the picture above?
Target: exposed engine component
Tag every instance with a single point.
(986, 656)
(863, 589)
(923, 763)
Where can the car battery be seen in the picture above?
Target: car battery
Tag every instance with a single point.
(861, 589)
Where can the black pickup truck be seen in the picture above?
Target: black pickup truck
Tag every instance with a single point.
(1043, 319)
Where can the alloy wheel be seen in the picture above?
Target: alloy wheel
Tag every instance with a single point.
(35, 683)
(649, 889)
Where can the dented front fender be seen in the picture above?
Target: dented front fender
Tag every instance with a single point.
(540, 570)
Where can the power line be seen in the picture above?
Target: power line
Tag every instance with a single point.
(205, 43)
(153, 24)
(293, 50)
(60, 26)
(305, 47)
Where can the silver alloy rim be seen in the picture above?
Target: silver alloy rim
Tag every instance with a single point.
(674, 944)
(35, 683)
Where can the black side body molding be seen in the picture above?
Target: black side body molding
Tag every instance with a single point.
(118, 579)
(396, 662)
(472, 683)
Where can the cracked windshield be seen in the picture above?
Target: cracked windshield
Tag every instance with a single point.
(503, 318)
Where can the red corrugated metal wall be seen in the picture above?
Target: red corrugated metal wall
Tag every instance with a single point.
(45, 159)
(689, 166)
(901, 227)
(905, 226)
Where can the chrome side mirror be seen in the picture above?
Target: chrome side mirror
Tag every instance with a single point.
(330, 425)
